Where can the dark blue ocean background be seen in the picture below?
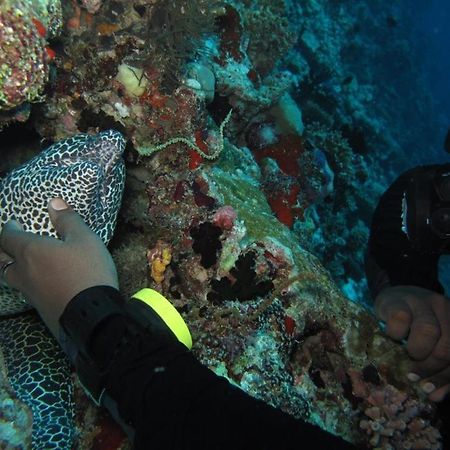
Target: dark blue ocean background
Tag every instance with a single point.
(402, 51)
(430, 43)
(433, 44)
(399, 53)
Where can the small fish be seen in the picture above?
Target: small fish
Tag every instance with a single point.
(40, 27)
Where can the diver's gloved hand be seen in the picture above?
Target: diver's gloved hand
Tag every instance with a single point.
(50, 272)
(423, 318)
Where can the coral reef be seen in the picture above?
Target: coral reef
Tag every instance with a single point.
(15, 418)
(92, 6)
(24, 55)
(252, 129)
(389, 413)
(159, 258)
(262, 311)
(269, 19)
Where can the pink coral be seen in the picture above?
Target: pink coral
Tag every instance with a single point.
(394, 420)
(92, 5)
(224, 217)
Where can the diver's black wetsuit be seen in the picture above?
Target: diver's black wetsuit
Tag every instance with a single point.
(391, 260)
(160, 393)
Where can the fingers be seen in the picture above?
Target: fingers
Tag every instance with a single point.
(13, 240)
(436, 386)
(430, 332)
(15, 244)
(439, 394)
(424, 335)
(4, 259)
(397, 315)
(398, 321)
(68, 223)
(436, 382)
(441, 308)
(435, 368)
(423, 316)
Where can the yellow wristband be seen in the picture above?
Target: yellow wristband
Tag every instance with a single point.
(168, 314)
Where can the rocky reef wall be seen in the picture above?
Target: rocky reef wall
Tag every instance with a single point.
(259, 136)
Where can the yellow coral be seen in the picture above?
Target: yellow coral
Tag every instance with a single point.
(159, 264)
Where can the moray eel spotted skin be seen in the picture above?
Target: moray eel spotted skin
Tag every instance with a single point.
(88, 172)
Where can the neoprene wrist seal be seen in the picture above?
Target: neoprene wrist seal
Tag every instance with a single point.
(87, 310)
(100, 311)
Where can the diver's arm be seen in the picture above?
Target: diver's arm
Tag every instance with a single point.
(160, 393)
(390, 259)
(149, 381)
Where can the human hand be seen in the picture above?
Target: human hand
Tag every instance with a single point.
(50, 272)
(423, 317)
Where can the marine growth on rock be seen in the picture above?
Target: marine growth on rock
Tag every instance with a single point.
(259, 135)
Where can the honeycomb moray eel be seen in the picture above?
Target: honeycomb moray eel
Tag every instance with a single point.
(88, 172)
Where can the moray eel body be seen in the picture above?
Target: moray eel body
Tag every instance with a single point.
(88, 172)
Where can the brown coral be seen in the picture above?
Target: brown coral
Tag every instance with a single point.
(23, 59)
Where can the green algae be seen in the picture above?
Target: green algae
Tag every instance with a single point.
(236, 178)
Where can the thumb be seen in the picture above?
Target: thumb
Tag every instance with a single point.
(13, 238)
(398, 320)
(391, 307)
(67, 222)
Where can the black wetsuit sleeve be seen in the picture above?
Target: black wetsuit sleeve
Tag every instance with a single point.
(390, 259)
(171, 401)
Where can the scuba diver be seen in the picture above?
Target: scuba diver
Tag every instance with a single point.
(410, 231)
(132, 357)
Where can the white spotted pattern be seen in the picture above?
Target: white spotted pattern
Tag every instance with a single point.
(88, 172)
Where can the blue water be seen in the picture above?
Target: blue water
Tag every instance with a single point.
(433, 23)
(433, 44)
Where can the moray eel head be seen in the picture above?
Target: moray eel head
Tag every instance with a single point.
(87, 171)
